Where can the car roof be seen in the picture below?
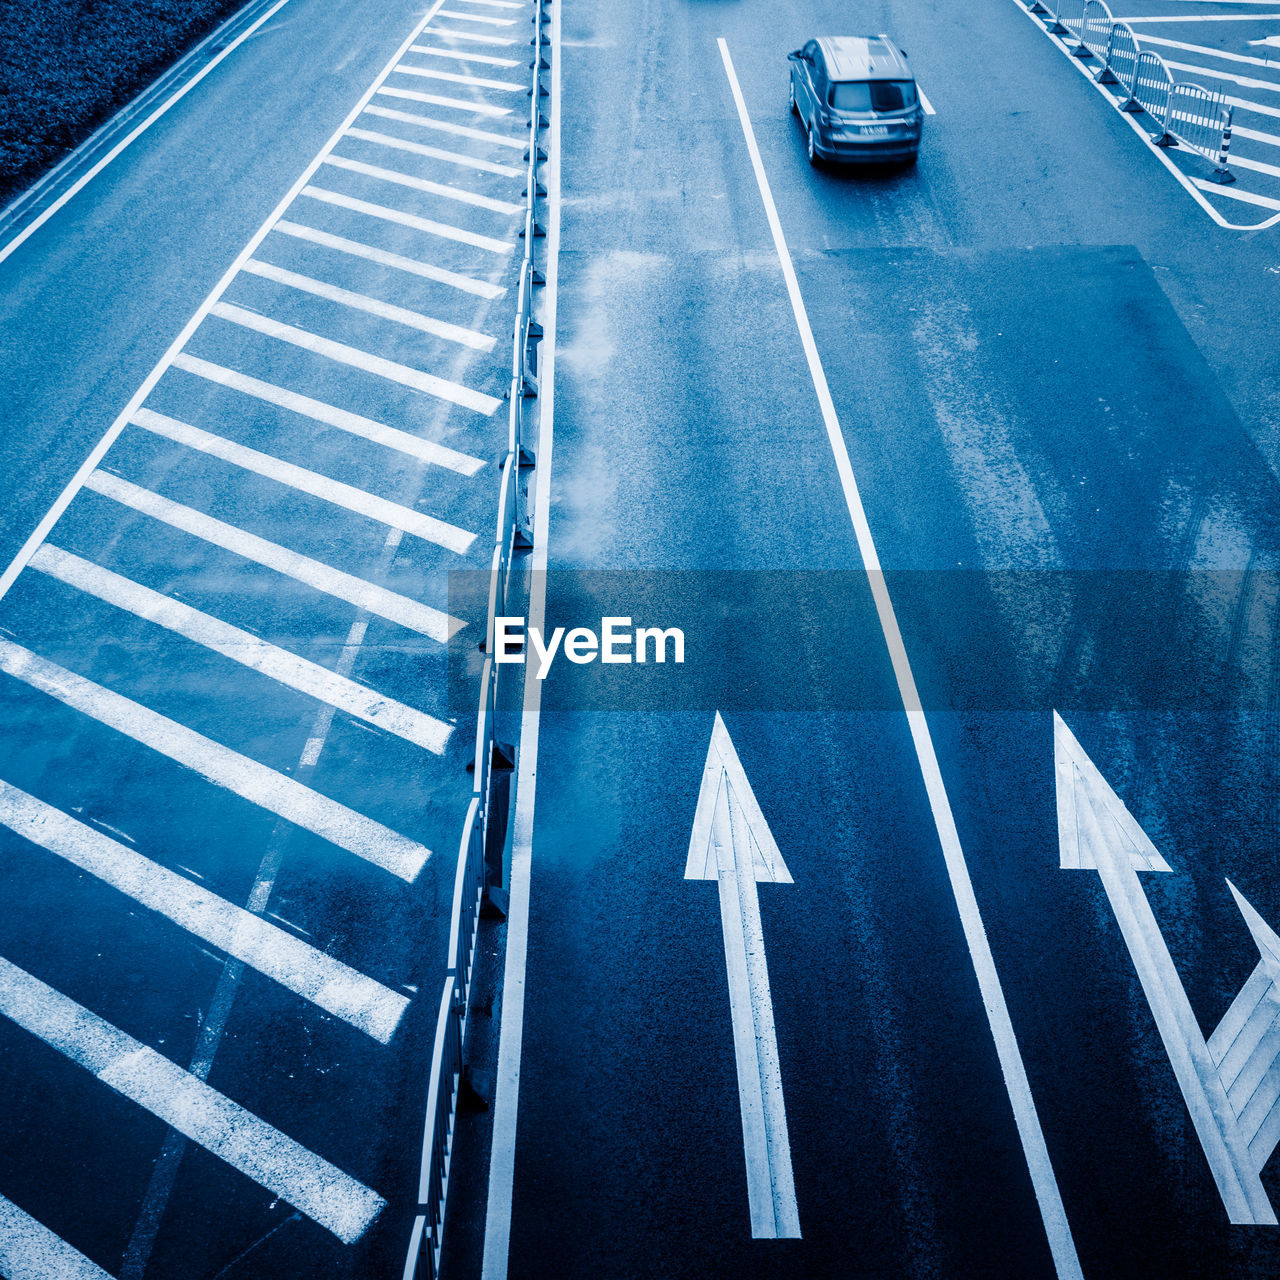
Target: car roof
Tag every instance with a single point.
(863, 58)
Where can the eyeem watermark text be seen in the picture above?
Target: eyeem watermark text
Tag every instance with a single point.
(615, 642)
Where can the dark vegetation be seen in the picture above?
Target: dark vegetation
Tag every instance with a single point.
(66, 65)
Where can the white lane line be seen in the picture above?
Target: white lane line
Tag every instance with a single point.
(924, 102)
(441, 229)
(1261, 109)
(1023, 1104)
(456, 77)
(1244, 162)
(267, 788)
(423, 184)
(435, 100)
(371, 306)
(30, 1251)
(357, 359)
(444, 33)
(76, 187)
(1234, 193)
(1210, 52)
(463, 55)
(369, 505)
(506, 1100)
(446, 126)
(478, 17)
(324, 578)
(377, 432)
(98, 452)
(1214, 73)
(245, 648)
(296, 965)
(414, 266)
(1205, 17)
(436, 153)
(1255, 135)
(308, 1182)
(494, 4)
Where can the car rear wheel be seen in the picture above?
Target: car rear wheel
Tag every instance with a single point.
(791, 98)
(813, 150)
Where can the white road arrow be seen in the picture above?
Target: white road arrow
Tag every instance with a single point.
(1231, 1083)
(732, 844)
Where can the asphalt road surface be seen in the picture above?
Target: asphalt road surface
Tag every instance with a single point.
(961, 483)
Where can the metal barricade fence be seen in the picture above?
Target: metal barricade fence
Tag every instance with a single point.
(1068, 18)
(1195, 117)
(1120, 63)
(1095, 33)
(1152, 84)
(511, 533)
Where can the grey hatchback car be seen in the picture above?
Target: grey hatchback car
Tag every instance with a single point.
(857, 99)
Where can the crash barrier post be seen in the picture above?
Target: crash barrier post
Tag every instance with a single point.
(1221, 173)
(473, 887)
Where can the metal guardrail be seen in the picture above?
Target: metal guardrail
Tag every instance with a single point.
(484, 824)
(1184, 112)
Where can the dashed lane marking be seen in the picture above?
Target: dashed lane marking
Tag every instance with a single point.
(325, 578)
(443, 230)
(458, 104)
(267, 788)
(354, 423)
(463, 55)
(418, 379)
(423, 184)
(311, 1184)
(384, 258)
(456, 77)
(245, 648)
(435, 153)
(447, 126)
(296, 965)
(371, 306)
(30, 1251)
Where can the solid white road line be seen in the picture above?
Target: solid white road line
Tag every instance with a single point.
(1255, 135)
(443, 33)
(76, 187)
(1206, 17)
(1245, 105)
(423, 184)
(506, 1100)
(245, 648)
(477, 17)
(1244, 162)
(1245, 82)
(377, 432)
(435, 153)
(456, 77)
(480, 288)
(925, 103)
(355, 591)
(369, 505)
(357, 359)
(371, 306)
(440, 229)
(296, 965)
(98, 452)
(463, 55)
(459, 104)
(1207, 51)
(494, 4)
(303, 1179)
(1023, 1105)
(1234, 193)
(445, 126)
(30, 1251)
(267, 788)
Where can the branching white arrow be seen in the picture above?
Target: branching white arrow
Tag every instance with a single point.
(1231, 1083)
(732, 844)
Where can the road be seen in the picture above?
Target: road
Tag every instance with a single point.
(1054, 378)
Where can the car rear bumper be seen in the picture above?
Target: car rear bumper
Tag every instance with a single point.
(868, 151)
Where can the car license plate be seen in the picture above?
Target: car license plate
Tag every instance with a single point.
(875, 131)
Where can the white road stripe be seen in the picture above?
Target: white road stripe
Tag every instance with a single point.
(1044, 1181)
(1207, 51)
(494, 4)
(353, 356)
(477, 17)
(296, 965)
(462, 55)
(392, 438)
(441, 229)
(1214, 73)
(392, 514)
(446, 126)
(456, 77)
(267, 788)
(924, 102)
(30, 1251)
(245, 648)
(1254, 135)
(1245, 105)
(1244, 162)
(435, 153)
(355, 591)
(303, 1179)
(371, 306)
(1234, 193)
(1205, 17)
(423, 184)
(480, 288)
(459, 104)
(443, 33)
(221, 765)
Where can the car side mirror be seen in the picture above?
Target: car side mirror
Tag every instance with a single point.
(796, 55)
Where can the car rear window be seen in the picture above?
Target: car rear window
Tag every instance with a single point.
(873, 95)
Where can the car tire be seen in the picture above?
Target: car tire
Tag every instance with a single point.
(791, 99)
(813, 150)
(910, 161)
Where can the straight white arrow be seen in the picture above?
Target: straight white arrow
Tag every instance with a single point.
(732, 844)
